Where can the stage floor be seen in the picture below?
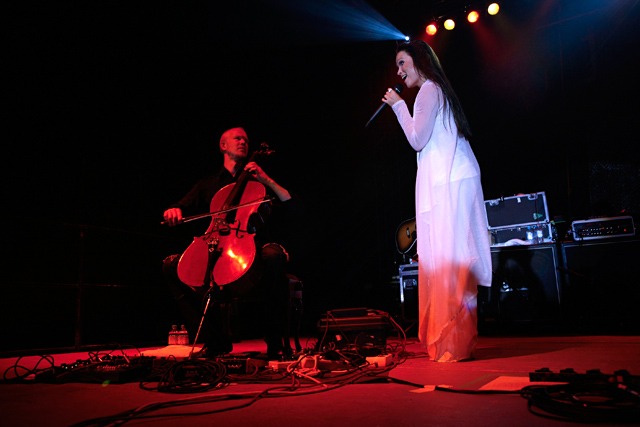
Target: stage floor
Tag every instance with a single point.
(404, 395)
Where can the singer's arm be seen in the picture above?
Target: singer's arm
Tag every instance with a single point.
(418, 128)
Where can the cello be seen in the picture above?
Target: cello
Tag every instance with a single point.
(226, 252)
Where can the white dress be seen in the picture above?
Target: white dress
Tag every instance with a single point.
(453, 243)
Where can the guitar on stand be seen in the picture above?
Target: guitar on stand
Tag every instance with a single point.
(406, 236)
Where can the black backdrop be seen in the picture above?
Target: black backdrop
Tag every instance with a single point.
(115, 109)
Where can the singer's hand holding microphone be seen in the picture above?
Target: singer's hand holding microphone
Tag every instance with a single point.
(391, 97)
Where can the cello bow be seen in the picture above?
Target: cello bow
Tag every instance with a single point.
(210, 214)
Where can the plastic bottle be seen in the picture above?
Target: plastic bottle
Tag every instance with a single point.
(183, 336)
(530, 237)
(173, 335)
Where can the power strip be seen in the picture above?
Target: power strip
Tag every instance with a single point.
(276, 365)
(381, 361)
(318, 363)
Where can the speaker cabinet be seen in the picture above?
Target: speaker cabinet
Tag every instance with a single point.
(525, 288)
(602, 289)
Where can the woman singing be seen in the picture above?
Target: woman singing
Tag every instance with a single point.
(453, 242)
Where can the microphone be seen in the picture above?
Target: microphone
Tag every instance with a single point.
(398, 88)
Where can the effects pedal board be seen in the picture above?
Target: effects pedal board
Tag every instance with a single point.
(593, 376)
(242, 363)
(114, 370)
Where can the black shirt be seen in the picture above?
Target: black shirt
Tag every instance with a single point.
(198, 201)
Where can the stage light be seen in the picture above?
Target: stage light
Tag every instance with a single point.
(432, 29)
(407, 38)
(493, 9)
(473, 16)
(449, 24)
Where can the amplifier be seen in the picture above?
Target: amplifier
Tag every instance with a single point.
(602, 292)
(603, 228)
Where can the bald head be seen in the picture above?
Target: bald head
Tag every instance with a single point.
(234, 143)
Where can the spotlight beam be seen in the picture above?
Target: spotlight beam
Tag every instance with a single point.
(339, 19)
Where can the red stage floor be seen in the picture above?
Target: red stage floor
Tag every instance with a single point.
(404, 395)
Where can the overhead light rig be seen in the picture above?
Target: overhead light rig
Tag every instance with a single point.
(473, 14)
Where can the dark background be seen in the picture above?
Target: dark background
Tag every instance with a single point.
(116, 108)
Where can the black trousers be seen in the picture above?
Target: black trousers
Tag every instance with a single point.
(271, 291)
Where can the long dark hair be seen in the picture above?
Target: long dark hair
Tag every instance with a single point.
(428, 65)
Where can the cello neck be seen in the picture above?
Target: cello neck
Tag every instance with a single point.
(240, 184)
(236, 194)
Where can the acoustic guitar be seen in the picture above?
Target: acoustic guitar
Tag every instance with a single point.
(406, 236)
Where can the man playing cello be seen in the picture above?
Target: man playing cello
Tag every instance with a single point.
(270, 284)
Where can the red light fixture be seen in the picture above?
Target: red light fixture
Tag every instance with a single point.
(473, 16)
(432, 29)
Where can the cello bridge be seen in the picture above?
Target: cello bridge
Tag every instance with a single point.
(213, 244)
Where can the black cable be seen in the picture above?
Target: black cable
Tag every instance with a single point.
(98, 355)
(18, 377)
(398, 328)
(587, 403)
(454, 390)
(143, 412)
(190, 376)
(326, 331)
(280, 391)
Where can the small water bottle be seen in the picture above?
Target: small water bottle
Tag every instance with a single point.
(530, 236)
(173, 335)
(183, 336)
